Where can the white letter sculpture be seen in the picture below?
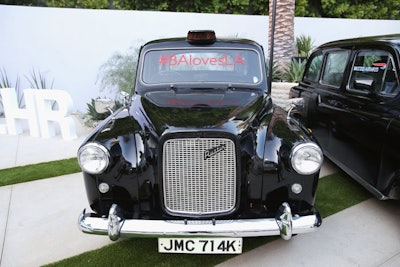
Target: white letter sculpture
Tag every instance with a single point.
(47, 116)
(14, 114)
(39, 112)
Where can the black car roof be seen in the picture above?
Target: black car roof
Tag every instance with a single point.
(390, 40)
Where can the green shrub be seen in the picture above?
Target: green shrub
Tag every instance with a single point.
(38, 80)
(91, 118)
(304, 45)
(276, 75)
(119, 71)
(294, 71)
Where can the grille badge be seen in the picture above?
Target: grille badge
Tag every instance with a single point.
(208, 153)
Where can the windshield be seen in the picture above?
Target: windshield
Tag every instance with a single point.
(201, 66)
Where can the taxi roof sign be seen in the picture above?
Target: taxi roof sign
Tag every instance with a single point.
(205, 36)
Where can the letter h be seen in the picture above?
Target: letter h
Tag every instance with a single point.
(14, 114)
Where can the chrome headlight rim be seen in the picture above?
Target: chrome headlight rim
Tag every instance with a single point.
(317, 158)
(103, 158)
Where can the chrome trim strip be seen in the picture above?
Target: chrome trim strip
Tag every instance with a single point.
(221, 228)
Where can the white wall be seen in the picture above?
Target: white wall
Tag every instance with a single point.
(324, 30)
(70, 45)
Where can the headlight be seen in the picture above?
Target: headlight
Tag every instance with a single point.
(93, 158)
(306, 158)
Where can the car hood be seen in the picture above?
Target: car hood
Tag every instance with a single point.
(211, 109)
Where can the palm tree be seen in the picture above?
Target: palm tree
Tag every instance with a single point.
(284, 42)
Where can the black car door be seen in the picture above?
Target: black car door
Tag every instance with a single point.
(360, 129)
(330, 114)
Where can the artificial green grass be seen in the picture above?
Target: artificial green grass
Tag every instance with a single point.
(38, 171)
(335, 193)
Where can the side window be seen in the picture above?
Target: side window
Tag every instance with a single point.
(390, 81)
(373, 70)
(335, 66)
(314, 68)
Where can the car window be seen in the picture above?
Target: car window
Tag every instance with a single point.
(390, 81)
(202, 65)
(373, 70)
(334, 68)
(314, 68)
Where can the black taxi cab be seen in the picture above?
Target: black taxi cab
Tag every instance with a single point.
(351, 98)
(200, 157)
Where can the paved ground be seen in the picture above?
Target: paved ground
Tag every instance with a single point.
(38, 221)
(367, 234)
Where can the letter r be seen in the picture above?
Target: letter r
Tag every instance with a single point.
(48, 117)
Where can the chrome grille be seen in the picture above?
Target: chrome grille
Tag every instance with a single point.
(199, 175)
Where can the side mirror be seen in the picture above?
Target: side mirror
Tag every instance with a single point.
(294, 104)
(123, 97)
(103, 105)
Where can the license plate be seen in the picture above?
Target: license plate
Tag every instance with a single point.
(200, 245)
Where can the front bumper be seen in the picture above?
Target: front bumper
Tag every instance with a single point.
(284, 224)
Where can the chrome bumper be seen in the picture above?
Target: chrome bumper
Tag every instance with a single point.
(283, 224)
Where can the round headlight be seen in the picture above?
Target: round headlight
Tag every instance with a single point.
(306, 158)
(93, 158)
